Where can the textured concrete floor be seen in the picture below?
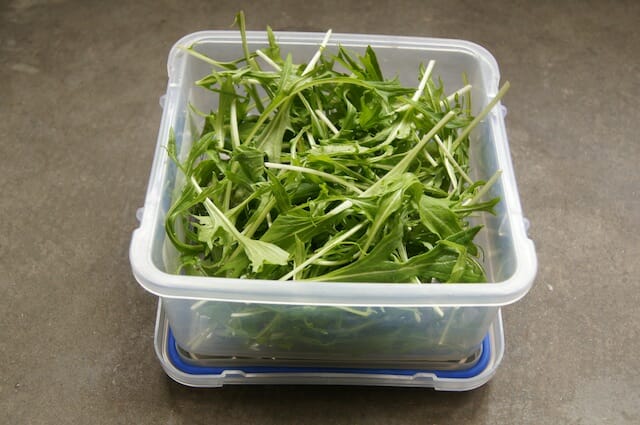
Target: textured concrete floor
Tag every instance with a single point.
(79, 87)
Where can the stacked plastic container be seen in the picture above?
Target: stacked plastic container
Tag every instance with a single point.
(462, 339)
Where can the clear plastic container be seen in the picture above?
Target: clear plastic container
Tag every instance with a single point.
(187, 369)
(453, 318)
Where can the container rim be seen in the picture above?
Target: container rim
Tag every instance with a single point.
(346, 39)
(169, 285)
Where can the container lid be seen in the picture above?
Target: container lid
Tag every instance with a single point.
(181, 364)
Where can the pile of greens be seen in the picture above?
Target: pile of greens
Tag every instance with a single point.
(326, 171)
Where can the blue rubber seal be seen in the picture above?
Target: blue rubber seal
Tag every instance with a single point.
(472, 371)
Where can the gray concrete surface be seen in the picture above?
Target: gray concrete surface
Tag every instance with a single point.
(79, 87)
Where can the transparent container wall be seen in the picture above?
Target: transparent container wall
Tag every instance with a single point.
(373, 334)
(401, 62)
(310, 332)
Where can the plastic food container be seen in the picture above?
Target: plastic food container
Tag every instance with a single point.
(190, 370)
(453, 319)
